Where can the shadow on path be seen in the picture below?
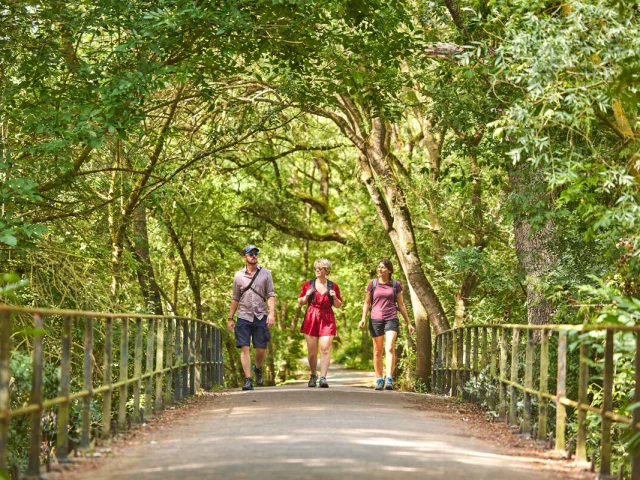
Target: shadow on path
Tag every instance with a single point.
(296, 432)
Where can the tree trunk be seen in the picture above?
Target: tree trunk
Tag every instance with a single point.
(534, 247)
(146, 274)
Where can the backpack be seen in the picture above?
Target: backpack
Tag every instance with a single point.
(313, 289)
(394, 285)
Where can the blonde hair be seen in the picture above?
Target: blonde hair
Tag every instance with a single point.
(323, 262)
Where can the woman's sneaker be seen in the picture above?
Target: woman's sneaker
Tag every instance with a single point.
(388, 384)
(313, 380)
(323, 383)
(380, 384)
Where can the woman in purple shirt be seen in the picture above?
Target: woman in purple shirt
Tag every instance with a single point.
(384, 298)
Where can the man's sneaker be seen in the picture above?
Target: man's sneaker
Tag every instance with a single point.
(259, 377)
(380, 384)
(313, 380)
(323, 383)
(388, 384)
(248, 384)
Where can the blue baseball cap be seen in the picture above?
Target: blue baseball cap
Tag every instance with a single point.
(249, 248)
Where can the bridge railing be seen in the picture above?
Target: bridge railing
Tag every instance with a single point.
(176, 352)
(496, 353)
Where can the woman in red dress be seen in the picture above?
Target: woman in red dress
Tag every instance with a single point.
(319, 325)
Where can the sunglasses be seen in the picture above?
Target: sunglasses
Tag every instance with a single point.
(253, 254)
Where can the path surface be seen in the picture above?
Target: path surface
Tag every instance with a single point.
(295, 432)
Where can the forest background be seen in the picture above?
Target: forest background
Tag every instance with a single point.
(489, 148)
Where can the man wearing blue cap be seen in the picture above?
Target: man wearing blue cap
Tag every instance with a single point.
(252, 294)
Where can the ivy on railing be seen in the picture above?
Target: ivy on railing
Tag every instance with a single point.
(464, 354)
(196, 344)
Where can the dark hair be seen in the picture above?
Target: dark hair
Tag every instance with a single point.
(387, 263)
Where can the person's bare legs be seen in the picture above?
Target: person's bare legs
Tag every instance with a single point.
(245, 360)
(312, 352)
(260, 354)
(325, 354)
(377, 355)
(390, 338)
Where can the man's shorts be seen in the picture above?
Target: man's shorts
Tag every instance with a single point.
(257, 330)
(378, 328)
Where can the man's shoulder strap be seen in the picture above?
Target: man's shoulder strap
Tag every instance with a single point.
(253, 279)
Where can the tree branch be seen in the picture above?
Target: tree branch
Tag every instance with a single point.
(295, 232)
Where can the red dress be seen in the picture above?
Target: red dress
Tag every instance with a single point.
(319, 320)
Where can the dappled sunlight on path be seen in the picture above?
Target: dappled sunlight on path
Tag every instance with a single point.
(295, 432)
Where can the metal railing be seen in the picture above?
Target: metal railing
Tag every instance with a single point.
(461, 354)
(192, 347)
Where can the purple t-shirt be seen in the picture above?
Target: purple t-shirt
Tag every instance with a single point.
(384, 308)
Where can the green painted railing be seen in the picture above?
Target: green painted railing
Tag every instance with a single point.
(466, 353)
(177, 350)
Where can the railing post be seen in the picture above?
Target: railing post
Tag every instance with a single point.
(124, 360)
(33, 468)
(185, 358)
(434, 367)
(203, 357)
(148, 384)
(207, 356)
(106, 396)
(221, 383)
(454, 362)
(493, 368)
(62, 438)
(209, 331)
(447, 361)
(476, 359)
(198, 357)
(513, 410)
(635, 459)
(467, 363)
(177, 388)
(503, 374)
(137, 371)
(583, 385)
(159, 364)
(177, 373)
(484, 361)
(169, 385)
(561, 391)
(528, 383)
(461, 371)
(192, 358)
(543, 402)
(218, 356)
(607, 406)
(439, 379)
(5, 376)
(85, 441)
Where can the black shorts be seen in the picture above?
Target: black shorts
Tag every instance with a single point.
(378, 328)
(257, 331)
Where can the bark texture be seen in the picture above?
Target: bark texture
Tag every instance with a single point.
(534, 246)
(146, 274)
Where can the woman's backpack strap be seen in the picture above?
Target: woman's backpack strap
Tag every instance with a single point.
(329, 288)
(312, 287)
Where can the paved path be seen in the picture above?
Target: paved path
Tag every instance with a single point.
(294, 432)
